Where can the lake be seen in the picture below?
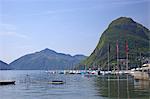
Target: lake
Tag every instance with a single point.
(34, 84)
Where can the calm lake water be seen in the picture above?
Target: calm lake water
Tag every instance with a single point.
(34, 85)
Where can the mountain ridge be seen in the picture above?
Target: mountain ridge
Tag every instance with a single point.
(122, 29)
(4, 66)
(46, 59)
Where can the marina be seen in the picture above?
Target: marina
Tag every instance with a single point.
(142, 73)
(74, 49)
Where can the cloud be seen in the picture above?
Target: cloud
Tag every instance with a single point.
(50, 12)
(7, 30)
(13, 34)
(7, 26)
(99, 4)
(126, 2)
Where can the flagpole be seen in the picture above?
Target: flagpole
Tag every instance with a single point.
(117, 56)
(108, 56)
(118, 69)
(127, 49)
(108, 71)
(127, 62)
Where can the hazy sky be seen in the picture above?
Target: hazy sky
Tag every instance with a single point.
(66, 26)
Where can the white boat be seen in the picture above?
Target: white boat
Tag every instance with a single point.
(143, 73)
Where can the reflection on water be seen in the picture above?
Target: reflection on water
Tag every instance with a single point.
(34, 85)
(141, 84)
(122, 87)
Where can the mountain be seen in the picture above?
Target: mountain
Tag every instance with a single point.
(79, 57)
(46, 59)
(122, 30)
(4, 66)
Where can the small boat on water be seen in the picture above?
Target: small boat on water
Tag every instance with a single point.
(56, 82)
(7, 82)
(61, 73)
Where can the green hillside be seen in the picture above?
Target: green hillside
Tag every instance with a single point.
(122, 29)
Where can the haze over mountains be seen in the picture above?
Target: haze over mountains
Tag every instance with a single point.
(122, 29)
(46, 60)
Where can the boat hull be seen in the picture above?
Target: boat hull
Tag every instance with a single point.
(7, 82)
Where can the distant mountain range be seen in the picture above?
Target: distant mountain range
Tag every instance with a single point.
(4, 66)
(122, 30)
(46, 60)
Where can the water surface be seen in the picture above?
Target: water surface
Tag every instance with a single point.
(34, 85)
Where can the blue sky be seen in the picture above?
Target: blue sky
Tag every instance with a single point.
(66, 26)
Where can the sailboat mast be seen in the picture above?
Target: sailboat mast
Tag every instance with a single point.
(117, 55)
(127, 62)
(140, 60)
(108, 56)
(127, 50)
(85, 67)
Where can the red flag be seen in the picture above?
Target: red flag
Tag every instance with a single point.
(117, 48)
(127, 48)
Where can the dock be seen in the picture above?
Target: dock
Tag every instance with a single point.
(7, 82)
